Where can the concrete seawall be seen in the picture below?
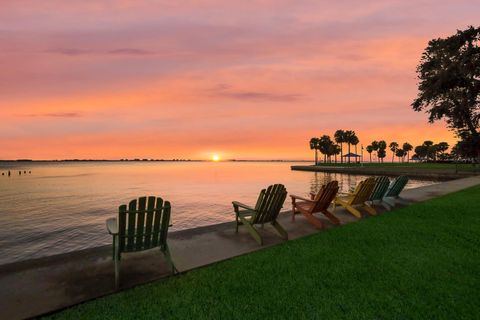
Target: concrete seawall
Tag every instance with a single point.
(392, 172)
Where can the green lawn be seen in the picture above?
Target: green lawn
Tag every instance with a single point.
(411, 165)
(419, 262)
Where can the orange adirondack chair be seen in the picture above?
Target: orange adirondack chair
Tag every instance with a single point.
(318, 203)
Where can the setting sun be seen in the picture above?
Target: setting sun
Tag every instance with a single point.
(215, 157)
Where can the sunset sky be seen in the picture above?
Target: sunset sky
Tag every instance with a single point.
(244, 79)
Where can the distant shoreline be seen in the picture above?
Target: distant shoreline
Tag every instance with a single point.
(150, 160)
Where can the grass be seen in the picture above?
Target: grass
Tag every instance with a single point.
(418, 262)
(451, 167)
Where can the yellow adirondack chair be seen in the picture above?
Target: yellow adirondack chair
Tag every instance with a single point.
(358, 198)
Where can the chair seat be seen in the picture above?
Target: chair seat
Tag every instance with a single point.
(304, 205)
(345, 198)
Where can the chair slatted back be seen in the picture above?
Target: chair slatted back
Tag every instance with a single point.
(363, 191)
(397, 186)
(269, 203)
(325, 196)
(381, 187)
(143, 224)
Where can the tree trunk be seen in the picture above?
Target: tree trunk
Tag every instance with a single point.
(348, 152)
(316, 156)
(341, 152)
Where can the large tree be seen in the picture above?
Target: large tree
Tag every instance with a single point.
(449, 83)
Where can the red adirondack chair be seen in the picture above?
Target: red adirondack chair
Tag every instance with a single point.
(318, 203)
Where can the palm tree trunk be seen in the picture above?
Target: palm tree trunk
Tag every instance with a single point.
(349, 152)
(316, 157)
(341, 152)
(370, 157)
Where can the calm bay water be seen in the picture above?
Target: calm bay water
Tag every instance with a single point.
(62, 207)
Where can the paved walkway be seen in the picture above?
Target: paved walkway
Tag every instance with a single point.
(36, 287)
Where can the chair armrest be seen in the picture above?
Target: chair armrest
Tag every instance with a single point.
(112, 226)
(241, 205)
(301, 198)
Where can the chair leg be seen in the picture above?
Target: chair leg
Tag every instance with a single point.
(293, 209)
(370, 209)
(252, 231)
(114, 247)
(280, 229)
(169, 259)
(317, 223)
(385, 205)
(331, 217)
(117, 265)
(353, 211)
(236, 221)
(389, 201)
(349, 208)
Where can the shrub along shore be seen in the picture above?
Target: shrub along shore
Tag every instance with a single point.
(417, 262)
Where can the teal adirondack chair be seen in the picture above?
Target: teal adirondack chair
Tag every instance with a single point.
(269, 204)
(393, 192)
(141, 226)
(379, 191)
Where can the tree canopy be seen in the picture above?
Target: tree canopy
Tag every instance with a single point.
(449, 82)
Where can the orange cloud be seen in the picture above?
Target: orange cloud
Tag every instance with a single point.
(184, 80)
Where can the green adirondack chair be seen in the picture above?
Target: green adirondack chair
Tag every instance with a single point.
(269, 204)
(379, 191)
(141, 226)
(393, 192)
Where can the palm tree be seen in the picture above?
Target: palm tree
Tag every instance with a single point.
(339, 137)
(381, 153)
(400, 153)
(370, 150)
(393, 147)
(324, 145)
(375, 147)
(382, 146)
(337, 150)
(407, 147)
(349, 134)
(314, 146)
(354, 141)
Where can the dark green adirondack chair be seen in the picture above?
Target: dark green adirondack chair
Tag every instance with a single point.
(393, 192)
(141, 226)
(379, 191)
(269, 204)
